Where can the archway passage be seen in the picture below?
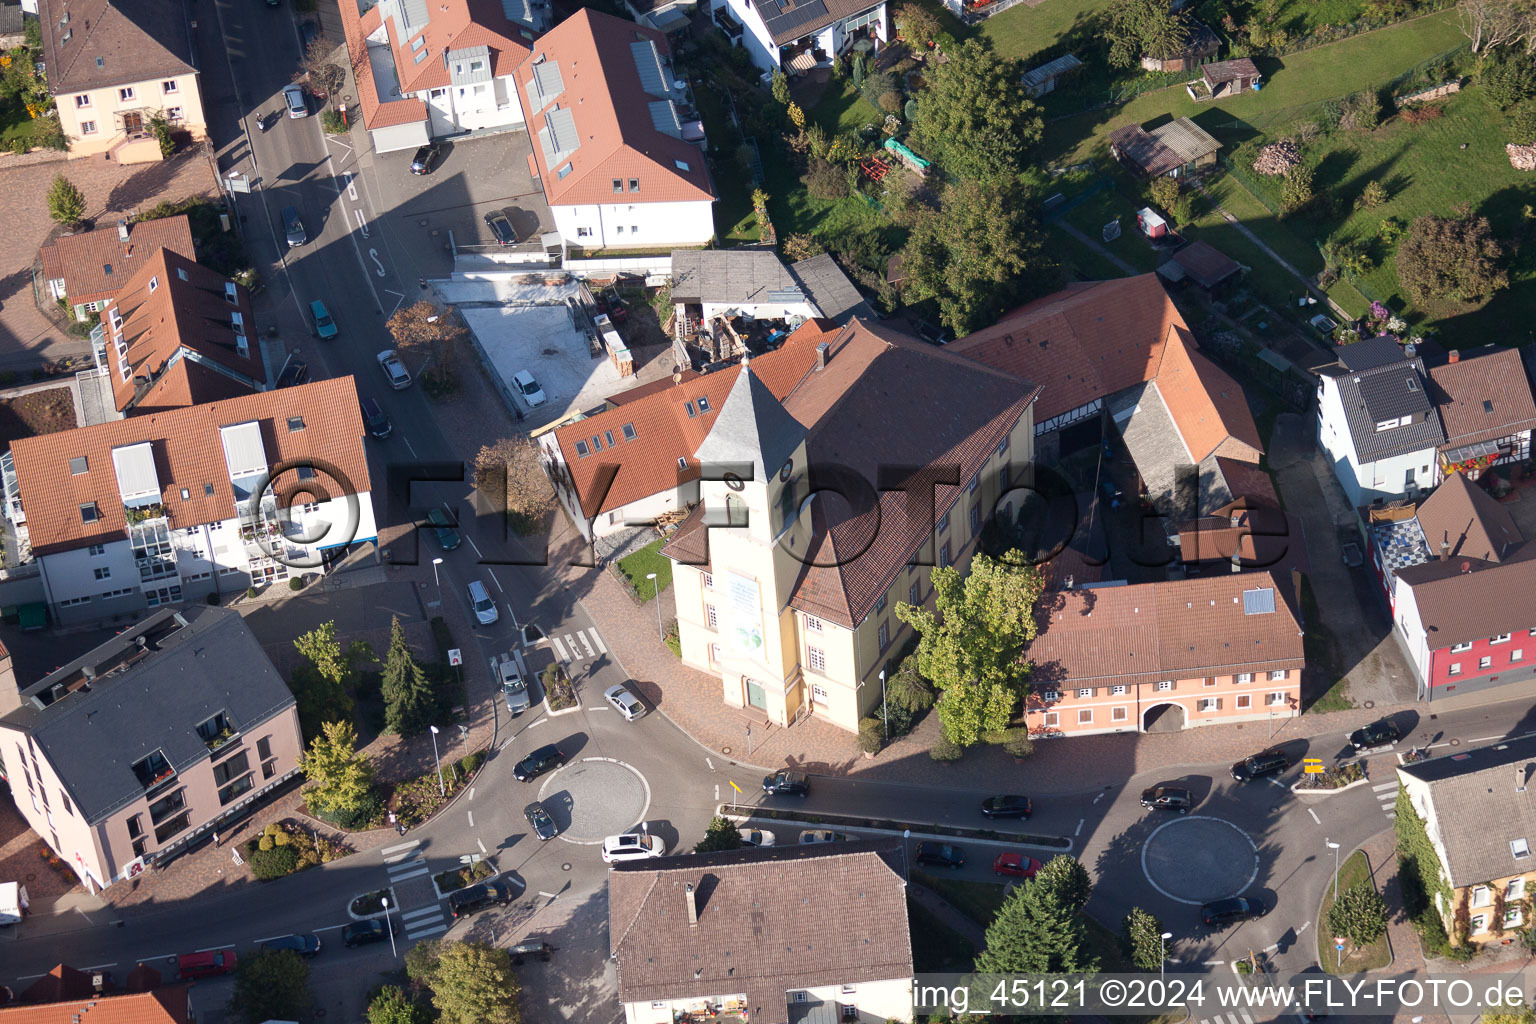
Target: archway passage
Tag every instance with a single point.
(1163, 718)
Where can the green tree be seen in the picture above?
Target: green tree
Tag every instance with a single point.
(66, 203)
(975, 120)
(1297, 189)
(471, 982)
(907, 695)
(1507, 77)
(1141, 935)
(917, 25)
(1137, 27)
(408, 698)
(1451, 257)
(1523, 1015)
(1068, 878)
(324, 650)
(1036, 930)
(391, 1005)
(781, 88)
(1359, 913)
(342, 778)
(973, 253)
(319, 699)
(971, 643)
(1374, 195)
(721, 835)
(272, 984)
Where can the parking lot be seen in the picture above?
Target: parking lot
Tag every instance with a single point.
(476, 176)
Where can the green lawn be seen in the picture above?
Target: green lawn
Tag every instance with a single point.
(1370, 957)
(1105, 206)
(1291, 84)
(639, 564)
(1024, 31)
(1079, 262)
(1426, 171)
(842, 109)
(977, 900)
(936, 948)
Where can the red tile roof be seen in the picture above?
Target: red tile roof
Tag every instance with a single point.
(607, 100)
(189, 455)
(165, 1005)
(1154, 631)
(664, 429)
(1084, 342)
(173, 309)
(458, 25)
(95, 265)
(1466, 599)
(1206, 404)
(1483, 396)
(1465, 518)
(378, 111)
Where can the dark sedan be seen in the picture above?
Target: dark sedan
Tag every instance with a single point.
(1378, 734)
(501, 227)
(941, 855)
(304, 945)
(786, 783)
(1167, 798)
(442, 529)
(545, 759)
(1007, 807)
(363, 933)
(539, 820)
(1224, 912)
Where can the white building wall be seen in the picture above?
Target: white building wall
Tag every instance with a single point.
(72, 574)
(1365, 482)
(756, 40)
(759, 311)
(636, 225)
(1405, 613)
(475, 107)
(887, 1000)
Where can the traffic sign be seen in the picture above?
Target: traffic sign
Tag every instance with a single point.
(1338, 942)
(455, 656)
(1312, 766)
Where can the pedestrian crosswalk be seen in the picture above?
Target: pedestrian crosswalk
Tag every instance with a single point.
(1235, 1017)
(1386, 795)
(424, 921)
(404, 861)
(583, 645)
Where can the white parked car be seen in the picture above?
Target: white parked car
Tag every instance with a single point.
(528, 388)
(632, 846)
(756, 837)
(624, 702)
(394, 370)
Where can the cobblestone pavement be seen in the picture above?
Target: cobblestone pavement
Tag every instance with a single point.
(27, 336)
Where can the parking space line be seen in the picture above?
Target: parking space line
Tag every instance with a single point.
(481, 843)
(1315, 818)
(471, 819)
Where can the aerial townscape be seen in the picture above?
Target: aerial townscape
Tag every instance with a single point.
(708, 511)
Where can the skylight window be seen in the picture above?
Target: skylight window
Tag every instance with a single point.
(581, 450)
(629, 431)
(703, 404)
(1520, 848)
(682, 165)
(79, 464)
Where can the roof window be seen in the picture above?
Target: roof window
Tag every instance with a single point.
(703, 404)
(154, 283)
(682, 463)
(1520, 848)
(682, 165)
(89, 513)
(106, 268)
(306, 472)
(689, 407)
(582, 450)
(295, 424)
(608, 436)
(629, 431)
(79, 464)
(1487, 406)
(207, 489)
(597, 445)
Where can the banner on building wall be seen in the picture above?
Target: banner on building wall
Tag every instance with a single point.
(744, 611)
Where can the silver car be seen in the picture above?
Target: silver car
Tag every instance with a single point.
(513, 686)
(480, 599)
(293, 99)
(624, 702)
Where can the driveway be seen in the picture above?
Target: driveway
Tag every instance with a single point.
(478, 175)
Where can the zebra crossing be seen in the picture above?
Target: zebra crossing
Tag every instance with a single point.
(1236, 1017)
(404, 863)
(1386, 795)
(578, 646)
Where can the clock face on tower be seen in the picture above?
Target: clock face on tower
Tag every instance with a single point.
(786, 469)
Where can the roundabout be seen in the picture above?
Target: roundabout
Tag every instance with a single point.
(1197, 859)
(596, 798)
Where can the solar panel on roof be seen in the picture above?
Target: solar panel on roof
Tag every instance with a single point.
(664, 118)
(1259, 602)
(648, 66)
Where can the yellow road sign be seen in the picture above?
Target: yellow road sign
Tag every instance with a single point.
(737, 788)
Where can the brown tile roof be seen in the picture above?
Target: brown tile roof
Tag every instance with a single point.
(1206, 265)
(1206, 404)
(1230, 70)
(172, 309)
(1465, 519)
(1247, 483)
(378, 111)
(608, 102)
(96, 264)
(1464, 599)
(664, 430)
(186, 383)
(1153, 631)
(165, 1005)
(92, 43)
(63, 982)
(1082, 343)
(1483, 396)
(1263, 538)
(1136, 146)
(189, 455)
(769, 920)
(855, 421)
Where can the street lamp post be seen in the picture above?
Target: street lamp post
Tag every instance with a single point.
(441, 787)
(1162, 945)
(884, 713)
(656, 596)
(438, 580)
(1338, 948)
(389, 927)
(906, 867)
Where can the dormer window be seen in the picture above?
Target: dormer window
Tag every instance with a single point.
(1389, 424)
(152, 769)
(229, 292)
(217, 731)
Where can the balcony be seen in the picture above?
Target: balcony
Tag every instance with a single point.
(153, 771)
(139, 514)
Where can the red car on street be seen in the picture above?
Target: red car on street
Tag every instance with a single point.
(1015, 865)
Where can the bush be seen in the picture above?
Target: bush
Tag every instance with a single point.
(824, 181)
(1297, 191)
(295, 583)
(876, 86)
(944, 751)
(275, 862)
(332, 122)
(1421, 113)
(673, 640)
(470, 764)
(368, 813)
(1361, 112)
(871, 735)
(890, 102)
(1374, 195)
(1519, 124)
(1507, 79)
(910, 110)
(1019, 744)
(265, 843)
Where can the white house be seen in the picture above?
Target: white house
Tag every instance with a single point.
(618, 149)
(426, 70)
(210, 498)
(788, 934)
(795, 37)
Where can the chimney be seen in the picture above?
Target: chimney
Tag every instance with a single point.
(823, 353)
(99, 982)
(1445, 550)
(122, 231)
(1409, 350)
(693, 906)
(1454, 357)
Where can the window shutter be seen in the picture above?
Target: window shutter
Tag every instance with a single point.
(1218, 703)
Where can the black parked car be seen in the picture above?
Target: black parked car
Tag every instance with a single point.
(363, 933)
(1007, 807)
(501, 228)
(1377, 734)
(1167, 798)
(539, 820)
(295, 371)
(941, 855)
(1266, 762)
(1224, 912)
(304, 945)
(545, 759)
(498, 892)
(786, 783)
(426, 158)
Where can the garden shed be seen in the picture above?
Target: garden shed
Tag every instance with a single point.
(1203, 46)
(1041, 80)
(1175, 149)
